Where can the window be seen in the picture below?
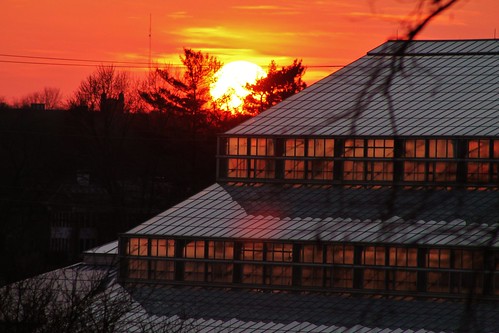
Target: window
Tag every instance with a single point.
(403, 257)
(312, 276)
(237, 168)
(320, 147)
(252, 251)
(137, 246)
(441, 171)
(252, 274)
(341, 256)
(162, 270)
(220, 272)
(194, 271)
(294, 148)
(220, 250)
(277, 252)
(319, 167)
(237, 146)
(162, 247)
(278, 275)
(294, 168)
(312, 254)
(369, 165)
(353, 148)
(480, 169)
(137, 269)
(468, 259)
(400, 278)
(380, 148)
(428, 160)
(353, 170)
(262, 147)
(195, 249)
(374, 278)
(438, 280)
(248, 166)
(373, 255)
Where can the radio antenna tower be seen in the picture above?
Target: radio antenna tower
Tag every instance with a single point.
(150, 40)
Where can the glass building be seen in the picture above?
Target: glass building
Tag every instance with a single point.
(380, 179)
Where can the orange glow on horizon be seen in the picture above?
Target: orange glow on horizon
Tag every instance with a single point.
(324, 34)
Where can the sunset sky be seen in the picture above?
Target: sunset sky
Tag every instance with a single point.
(322, 33)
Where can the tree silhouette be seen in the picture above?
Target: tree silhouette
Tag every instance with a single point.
(185, 96)
(105, 83)
(278, 85)
(50, 97)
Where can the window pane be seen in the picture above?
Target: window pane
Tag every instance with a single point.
(262, 147)
(237, 146)
(312, 276)
(237, 168)
(263, 169)
(354, 148)
(414, 171)
(194, 249)
(478, 172)
(478, 149)
(220, 250)
(353, 170)
(220, 272)
(312, 254)
(414, 148)
(137, 246)
(319, 169)
(294, 169)
(441, 148)
(320, 147)
(380, 148)
(252, 251)
(295, 147)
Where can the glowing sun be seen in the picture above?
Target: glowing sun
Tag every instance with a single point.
(229, 88)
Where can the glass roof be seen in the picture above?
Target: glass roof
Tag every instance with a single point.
(381, 215)
(445, 88)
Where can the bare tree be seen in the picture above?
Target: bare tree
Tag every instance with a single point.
(106, 82)
(50, 97)
(79, 299)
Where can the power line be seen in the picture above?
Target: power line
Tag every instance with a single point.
(65, 64)
(73, 59)
(93, 62)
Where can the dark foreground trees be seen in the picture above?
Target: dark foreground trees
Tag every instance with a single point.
(78, 299)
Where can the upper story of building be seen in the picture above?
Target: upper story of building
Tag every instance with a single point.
(419, 113)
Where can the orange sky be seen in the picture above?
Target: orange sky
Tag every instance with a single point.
(322, 33)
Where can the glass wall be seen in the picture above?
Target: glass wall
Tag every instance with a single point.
(362, 160)
(313, 266)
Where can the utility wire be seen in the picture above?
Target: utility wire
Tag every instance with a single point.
(73, 59)
(66, 64)
(93, 63)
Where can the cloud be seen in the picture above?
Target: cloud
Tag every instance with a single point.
(269, 10)
(377, 16)
(179, 15)
(259, 7)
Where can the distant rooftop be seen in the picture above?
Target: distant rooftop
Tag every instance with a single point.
(445, 88)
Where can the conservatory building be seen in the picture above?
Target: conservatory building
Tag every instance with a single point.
(381, 179)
